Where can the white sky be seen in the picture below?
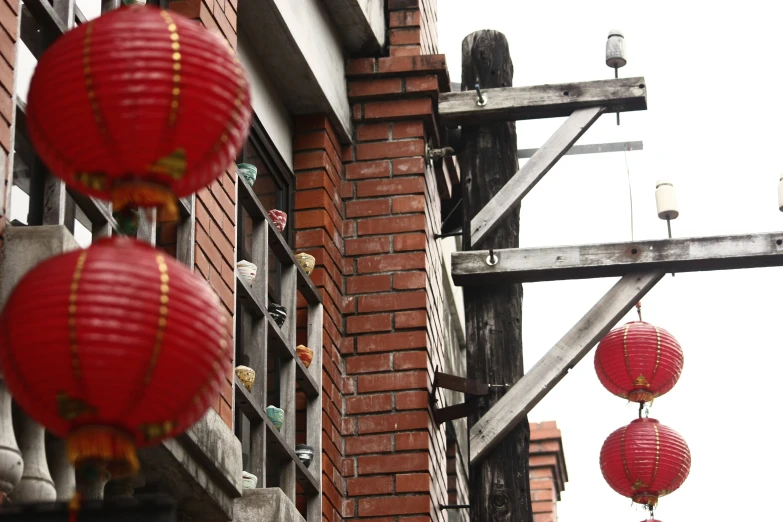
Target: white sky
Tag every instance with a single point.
(712, 127)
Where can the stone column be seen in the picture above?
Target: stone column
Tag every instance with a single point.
(61, 470)
(91, 479)
(11, 464)
(36, 484)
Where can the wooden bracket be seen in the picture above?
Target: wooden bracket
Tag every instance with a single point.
(509, 411)
(696, 254)
(541, 101)
(532, 172)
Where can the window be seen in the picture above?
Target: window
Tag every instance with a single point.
(281, 379)
(37, 197)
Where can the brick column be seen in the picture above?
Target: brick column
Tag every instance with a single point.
(413, 27)
(393, 299)
(216, 210)
(548, 473)
(318, 219)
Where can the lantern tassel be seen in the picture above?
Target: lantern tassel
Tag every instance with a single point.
(74, 505)
(139, 194)
(103, 444)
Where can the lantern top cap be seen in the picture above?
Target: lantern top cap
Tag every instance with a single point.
(616, 32)
(646, 420)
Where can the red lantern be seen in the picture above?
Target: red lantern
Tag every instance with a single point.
(645, 460)
(139, 106)
(638, 361)
(114, 347)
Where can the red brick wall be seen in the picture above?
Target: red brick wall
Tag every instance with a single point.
(392, 286)
(548, 473)
(413, 27)
(216, 210)
(319, 215)
(9, 21)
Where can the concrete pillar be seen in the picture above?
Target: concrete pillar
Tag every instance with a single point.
(11, 464)
(36, 484)
(61, 470)
(91, 479)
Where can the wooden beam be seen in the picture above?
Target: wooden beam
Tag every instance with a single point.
(696, 254)
(532, 172)
(512, 408)
(541, 101)
(593, 148)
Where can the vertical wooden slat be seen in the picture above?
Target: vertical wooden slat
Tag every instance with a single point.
(65, 10)
(101, 229)
(257, 346)
(53, 200)
(315, 317)
(186, 231)
(260, 257)
(288, 378)
(146, 229)
(256, 341)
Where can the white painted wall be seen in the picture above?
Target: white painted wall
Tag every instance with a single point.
(266, 102)
(318, 41)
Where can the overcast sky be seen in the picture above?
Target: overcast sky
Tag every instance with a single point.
(713, 128)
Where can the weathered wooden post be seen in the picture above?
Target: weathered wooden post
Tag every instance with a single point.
(499, 484)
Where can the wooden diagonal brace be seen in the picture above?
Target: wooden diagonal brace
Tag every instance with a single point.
(532, 172)
(507, 413)
(696, 254)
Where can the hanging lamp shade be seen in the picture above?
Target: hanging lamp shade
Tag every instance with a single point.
(139, 106)
(638, 361)
(645, 461)
(114, 347)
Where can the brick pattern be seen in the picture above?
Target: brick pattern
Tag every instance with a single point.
(216, 208)
(319, 216)
(9, 16)
(392, 289)
(413, 27)
(218, 15)
(457, 481)
(548, 473)
(214, 258)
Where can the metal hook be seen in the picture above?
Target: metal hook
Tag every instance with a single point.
(492, 259)
(481, 100)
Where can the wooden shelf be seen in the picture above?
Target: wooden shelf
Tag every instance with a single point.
(275, 444)
(277, 341)
(277, 243)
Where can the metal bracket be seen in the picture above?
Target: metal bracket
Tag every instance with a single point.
(432, 154)
(448, 413)
(460, 384)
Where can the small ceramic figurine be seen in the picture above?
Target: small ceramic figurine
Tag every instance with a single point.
(305, 354)
(248, 171)
(247, 270)
(249, 480)
(278, 313)
(305, 454)
(307, 261)
(246, 376)
(276, 415)
(279, 219)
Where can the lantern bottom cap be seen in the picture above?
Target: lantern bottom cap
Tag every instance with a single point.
(647, 499)
(103, 444)
(641, 396)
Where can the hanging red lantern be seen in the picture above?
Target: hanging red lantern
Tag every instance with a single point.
(645, 461)
(638, 361)
(114, 347)
(139, 106)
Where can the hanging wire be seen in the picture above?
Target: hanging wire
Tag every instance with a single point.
(628, 175)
